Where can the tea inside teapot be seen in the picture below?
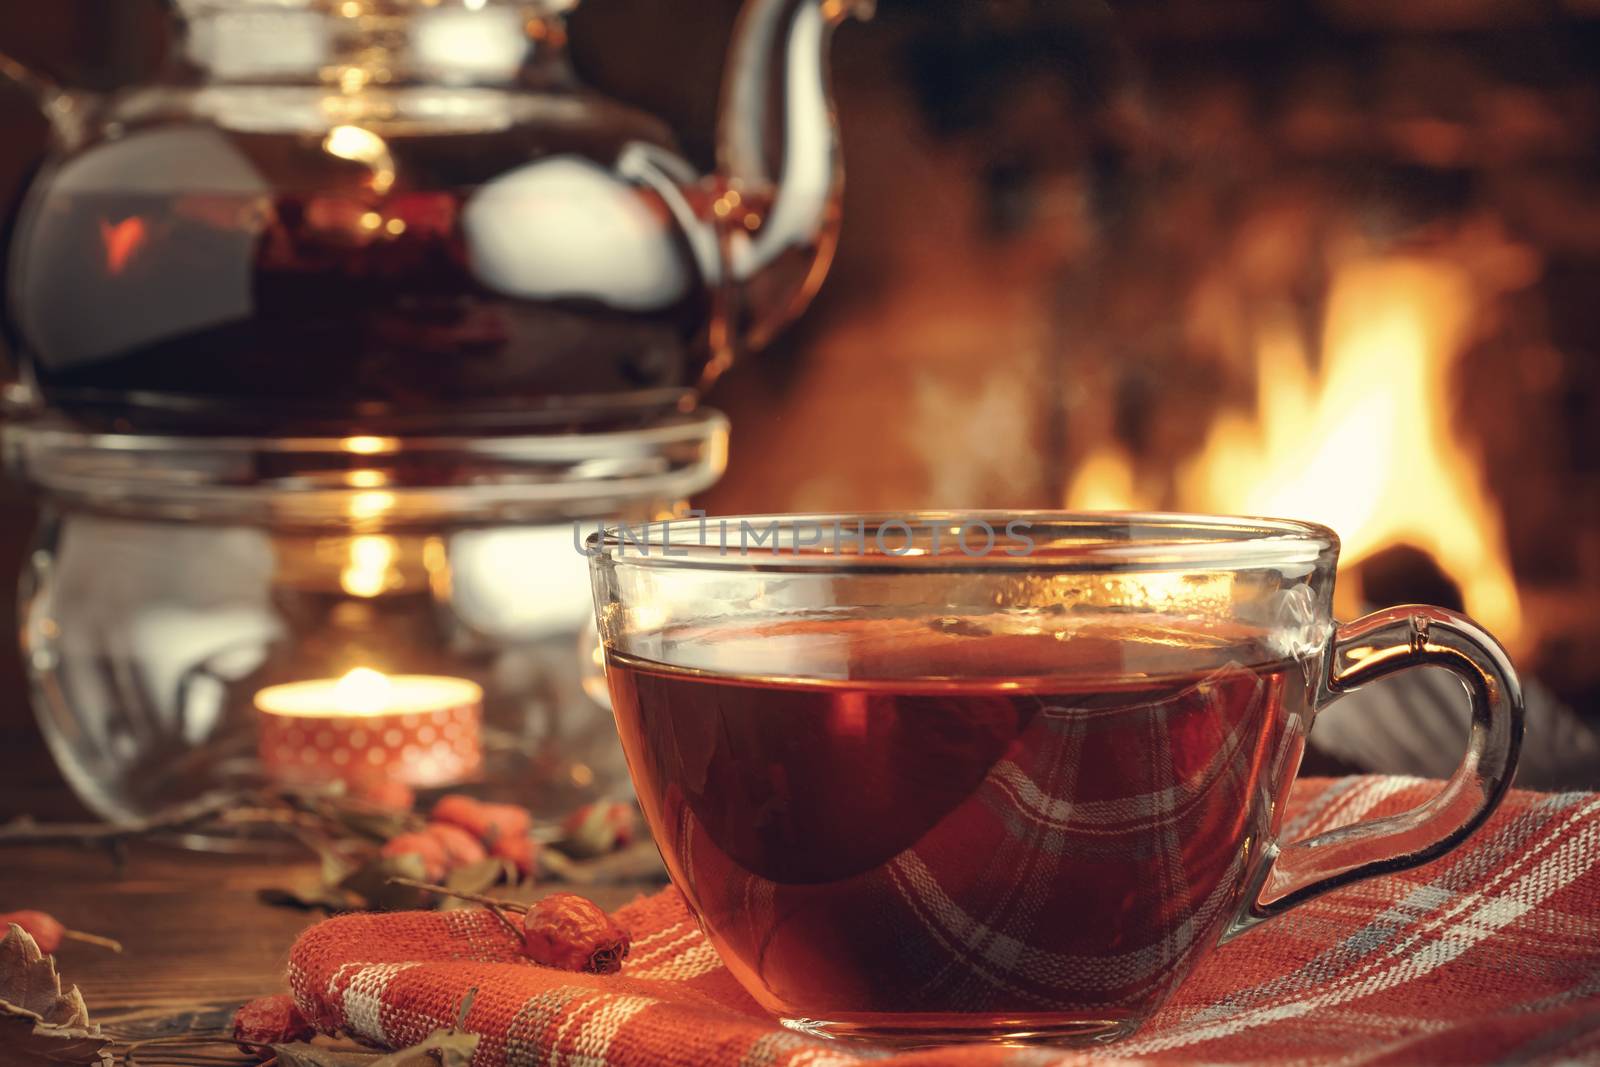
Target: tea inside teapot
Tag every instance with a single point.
(382, 212)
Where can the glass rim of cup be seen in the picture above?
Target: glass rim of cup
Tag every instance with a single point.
(975, 540)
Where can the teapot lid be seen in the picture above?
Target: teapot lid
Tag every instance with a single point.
(437, 40)
(191, 9)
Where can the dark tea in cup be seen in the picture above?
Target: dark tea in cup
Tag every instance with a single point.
(971, 817)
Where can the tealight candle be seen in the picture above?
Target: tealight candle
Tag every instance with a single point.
(423, 731)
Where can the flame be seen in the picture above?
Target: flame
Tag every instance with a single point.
(1106, 482)
(1365, 444)
(364, 692)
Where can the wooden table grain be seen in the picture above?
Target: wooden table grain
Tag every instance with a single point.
(197, 941)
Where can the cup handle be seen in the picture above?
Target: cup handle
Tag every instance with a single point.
(1362, 652)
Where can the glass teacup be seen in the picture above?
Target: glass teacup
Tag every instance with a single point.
(944, 777)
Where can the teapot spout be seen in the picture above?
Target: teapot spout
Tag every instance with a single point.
(68, 111)
(781, 174)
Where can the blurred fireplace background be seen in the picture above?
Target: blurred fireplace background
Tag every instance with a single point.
(1334, 259)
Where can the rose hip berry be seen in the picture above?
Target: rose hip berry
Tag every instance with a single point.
(597, 829)
(458, 810)
(435, 857)
(571, 933)
(46, 932)
(49, 934)
(522, 852)
(460, 847)
(487, 822)
(270, 1021)
(505, 820)
(563, 930)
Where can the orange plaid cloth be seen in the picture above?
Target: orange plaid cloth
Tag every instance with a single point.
(1489, 955)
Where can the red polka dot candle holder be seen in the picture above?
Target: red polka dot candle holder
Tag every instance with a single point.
(423, 731)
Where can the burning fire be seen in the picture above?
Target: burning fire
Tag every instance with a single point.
(1106, 482)
(1362, 444)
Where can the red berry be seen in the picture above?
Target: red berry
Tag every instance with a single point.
(599, 828)
(270, 1021)
(571, 933)
(503, 821)
(458, 810)
(487, 822)
(460, 847)
(44, 929)
(432, 852)
(522, 851)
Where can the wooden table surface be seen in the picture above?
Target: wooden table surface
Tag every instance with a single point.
(195, 937)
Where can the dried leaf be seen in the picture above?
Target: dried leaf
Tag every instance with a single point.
(599, 829)
(636, 863)
(377, 826)
(28, 981)
(364, 820)
(322, 898)
(476, 878)
(328, 896)
(372, 883)
(40, 1025)
(445, 1048)
(25, 1042)
(318, 1056)
(335, 868)
(466, 1007)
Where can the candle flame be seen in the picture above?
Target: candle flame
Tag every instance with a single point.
(364, 692)
(368, 694)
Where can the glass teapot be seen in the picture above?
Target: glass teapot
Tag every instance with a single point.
(407, 212)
